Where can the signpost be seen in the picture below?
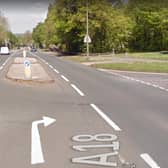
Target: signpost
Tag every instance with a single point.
(24, 53)
(87, 38)
(27, 69)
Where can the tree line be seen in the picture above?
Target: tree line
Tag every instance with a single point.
(139, 25)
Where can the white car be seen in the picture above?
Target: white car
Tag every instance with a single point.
(4, 51)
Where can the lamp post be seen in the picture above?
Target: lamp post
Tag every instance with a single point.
(87, 27)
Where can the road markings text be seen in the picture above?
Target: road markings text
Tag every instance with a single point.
(105, 141)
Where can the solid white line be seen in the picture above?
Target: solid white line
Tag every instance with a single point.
(78, 90)
(63, 77)
(149, 160)
(106, 118)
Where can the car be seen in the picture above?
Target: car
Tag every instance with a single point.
(4, 51)
(33, 49)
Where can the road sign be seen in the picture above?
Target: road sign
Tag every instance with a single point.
(87, 39)
(27, 63)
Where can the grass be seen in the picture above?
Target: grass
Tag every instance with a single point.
(136, 66)
(146, 55)
(77, 58)
(108, 57)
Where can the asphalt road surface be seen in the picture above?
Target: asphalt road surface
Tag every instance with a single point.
(96, 119)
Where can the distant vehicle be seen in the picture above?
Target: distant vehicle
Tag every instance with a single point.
(33, 49)
(4, 51)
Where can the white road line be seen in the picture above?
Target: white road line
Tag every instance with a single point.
(147, 158)
(143, 82)
(1, 68)
(156, 86)
(78, 90)
(51, 66)
(63, 77)
(162, 88)
(106, 118)
(148, 83)
(137, 80)
(56, 71)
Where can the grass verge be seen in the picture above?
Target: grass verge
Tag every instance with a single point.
(136, 66)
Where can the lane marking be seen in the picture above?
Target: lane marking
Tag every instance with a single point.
(56, 71)
(78, 90)
(63, 77)
(137, 80)
(106, 118)
(148, 159)
(51, 66)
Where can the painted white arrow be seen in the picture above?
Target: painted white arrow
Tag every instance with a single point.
(36, 149)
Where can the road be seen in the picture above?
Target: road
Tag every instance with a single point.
(86, 103)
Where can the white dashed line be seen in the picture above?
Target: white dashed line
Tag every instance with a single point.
(78, 90)
(1, 68)
(162, 88)
(63, 77)
(51, 66)
(149, 160)
(156, 86)
(106, 118)
(56, 71)
(137, 80)
(148, 83)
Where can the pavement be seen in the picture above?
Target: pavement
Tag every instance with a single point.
(80, 119)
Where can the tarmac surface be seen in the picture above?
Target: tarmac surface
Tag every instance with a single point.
(90, 112)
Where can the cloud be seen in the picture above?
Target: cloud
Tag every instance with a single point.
(24, 14)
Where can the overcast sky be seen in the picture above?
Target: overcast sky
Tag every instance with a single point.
(24, 15)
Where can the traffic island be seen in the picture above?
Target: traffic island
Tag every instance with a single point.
(28, 70)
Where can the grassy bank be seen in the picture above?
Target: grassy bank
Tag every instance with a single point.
(136, 66)
(108, 57)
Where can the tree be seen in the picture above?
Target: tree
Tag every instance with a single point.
(4, 27)
(65, 26)
(151, 29)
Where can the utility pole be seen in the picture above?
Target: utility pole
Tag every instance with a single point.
(87, 38)
(87, 27)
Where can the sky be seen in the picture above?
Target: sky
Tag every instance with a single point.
(24, 15)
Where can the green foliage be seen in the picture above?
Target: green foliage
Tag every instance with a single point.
(151, 30)
(142, 25)
(13, 40)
